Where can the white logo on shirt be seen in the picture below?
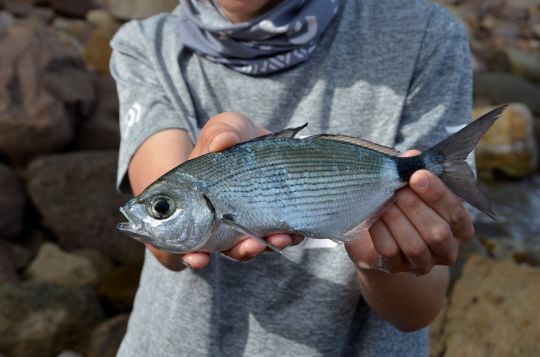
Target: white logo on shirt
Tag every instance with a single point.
(133, 116)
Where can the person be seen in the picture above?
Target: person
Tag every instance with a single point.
(212, 74)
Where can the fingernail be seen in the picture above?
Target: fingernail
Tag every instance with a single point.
(422, 182)
(215, 142)
(186, 264)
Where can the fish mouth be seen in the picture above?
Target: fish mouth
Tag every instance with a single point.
(130, 227)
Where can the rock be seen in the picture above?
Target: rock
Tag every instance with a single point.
(536, 31)
(106, 337)
(73, 8)
(8, 271)
(76, 197)
(120, 285)
(65, 269)
(493, 311)
(78, 29)
(12, 200)
(436, 330)
(138, 9)
(97, 52)
(524, 64)
(19, 255)
(69, 354)
(6, 20)
(101, 18)
(507, 88)
(43, 319)
(101, 130)
(32, 120)
(509, 146)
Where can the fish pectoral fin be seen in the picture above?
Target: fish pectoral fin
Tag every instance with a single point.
(241, 229)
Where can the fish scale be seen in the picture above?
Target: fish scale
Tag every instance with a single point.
(324, 186)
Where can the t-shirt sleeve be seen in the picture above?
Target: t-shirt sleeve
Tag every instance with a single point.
(146, 107)
(439, 98)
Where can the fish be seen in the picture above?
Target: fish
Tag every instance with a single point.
(326, 186)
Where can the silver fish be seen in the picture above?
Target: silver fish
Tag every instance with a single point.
(322, 186)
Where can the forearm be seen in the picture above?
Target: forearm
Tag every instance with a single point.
(409, 302)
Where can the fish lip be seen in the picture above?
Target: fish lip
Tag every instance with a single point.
(129, 227)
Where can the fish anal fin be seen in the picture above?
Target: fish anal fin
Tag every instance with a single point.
(226, 220)
(356, 232)
(359, 142)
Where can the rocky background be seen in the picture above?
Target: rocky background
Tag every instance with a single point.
(67, 278)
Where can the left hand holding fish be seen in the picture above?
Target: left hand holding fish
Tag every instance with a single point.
(423, 227)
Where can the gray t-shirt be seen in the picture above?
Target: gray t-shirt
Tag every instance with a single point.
(391, 71)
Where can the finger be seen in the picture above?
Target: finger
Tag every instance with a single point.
(433, 229)
(196, 260)
(391, 258)
(408, 239)
(279, 240)
(245, 250)
(296, 239)
(169, 260)
(439, 197)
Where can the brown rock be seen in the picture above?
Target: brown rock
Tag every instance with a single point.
(120, 285)
(509, 146)
(6, 20)
(12, 200)
(75, 194)
(493, 311)
(32, 120)
(42, 319)
(19, 255)
(97, 52)
(8, 271)
(66, 269)
(138, 9)
(73, 8)
(106, 337)
(524, 64)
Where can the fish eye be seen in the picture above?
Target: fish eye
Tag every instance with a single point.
(161, 207)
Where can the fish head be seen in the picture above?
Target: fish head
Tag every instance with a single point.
(172, 218)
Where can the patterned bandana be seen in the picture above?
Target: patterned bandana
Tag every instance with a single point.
(279, 39)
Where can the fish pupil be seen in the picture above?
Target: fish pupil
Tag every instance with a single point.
(162, 207)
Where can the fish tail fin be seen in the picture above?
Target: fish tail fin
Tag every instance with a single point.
(447, 160)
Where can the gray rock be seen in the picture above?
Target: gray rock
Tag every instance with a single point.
(138, 9)
(18, 254)
(32, 119)
(107, 336)
(6, 20)
(75, 194)
(43, 319)
(506, 88)
(12, 200)
(67, 269)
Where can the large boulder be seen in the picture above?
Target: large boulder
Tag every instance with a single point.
(12, 199)
(509, 146)
(138, 9)
(493, 311)
(43, 319)
(67, 269)
(38, 75)
(75, 194)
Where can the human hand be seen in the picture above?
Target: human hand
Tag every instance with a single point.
(221, 132)
(423, 227)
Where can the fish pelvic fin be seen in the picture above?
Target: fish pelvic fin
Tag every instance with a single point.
(447, 160)
(229, 222)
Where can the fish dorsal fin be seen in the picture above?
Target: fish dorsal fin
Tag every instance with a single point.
(288, 133)
(360, 142)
